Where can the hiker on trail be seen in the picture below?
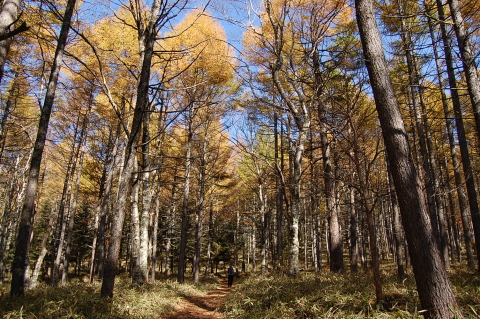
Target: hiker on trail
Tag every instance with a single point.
(231, 272)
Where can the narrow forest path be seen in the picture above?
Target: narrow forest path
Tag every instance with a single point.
(203, 306)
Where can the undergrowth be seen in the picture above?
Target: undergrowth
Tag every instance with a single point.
(80, 300)
(350, 295)
(309, 295)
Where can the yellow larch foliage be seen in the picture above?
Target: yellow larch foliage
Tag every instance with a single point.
(300, 22)
(115, 64)
(199, 47)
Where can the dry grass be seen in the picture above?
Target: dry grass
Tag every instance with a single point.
(80, 300)
(327, 295)
(310, 295)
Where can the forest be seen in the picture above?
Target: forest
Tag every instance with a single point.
(328, 150)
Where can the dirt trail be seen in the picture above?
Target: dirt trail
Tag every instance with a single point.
(203, 306)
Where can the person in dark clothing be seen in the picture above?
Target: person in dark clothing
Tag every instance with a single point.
(231, 272)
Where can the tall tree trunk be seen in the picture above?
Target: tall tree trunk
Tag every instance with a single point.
(8, 16)
(236, 240)
(11, 213)
(64, 209)
(93, 254)
(200, 209)
(449, 119)
(112, 258)
(71, 220)
(253, 247)
(434, 290)
(170, 223)
(473, 83)
(373, 249)
(62, 220)
(209, 265)
(161, 126)
(96, 223)
(318, 234)
(301, 120)
(263, 236)
(397, 228)
(141, 105)
(186, 194)
(353, 232)
(468, 60)
(368, 204)
(462, 138)
(353, 167)
(7, 111)
(334, 232)
(154, 237)
(306, 225)
(104, 203)
(279, 190)
(67, 219)
(314, 211)
(147, 195)
(43, 249)
(435, 205)
(8, 225)
(454, 234)
(21, 259)
(137, 275)
(295, 200)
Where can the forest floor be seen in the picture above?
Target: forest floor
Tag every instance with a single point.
(308, 295)
(163, 299)
(206, 306)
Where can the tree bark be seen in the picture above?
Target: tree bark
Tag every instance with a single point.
(8, 16)
(141, 105)
(428, 162)
(449, 119)
(334, 231)
(473, 83)
(104, 203)
(279, 190)
(43, 250)
(368, 203)
(263, 226)
(21, 259)
(200, 209)
(73, 210)
(353, 233)
(170, 223)
(137, 275)
(65, 212)
(209, 265)
(62, 220)
(7, 224)
(186, 194)
(298, 109)
(397, 228)
(111, 260)
(6, 112)
(461, 133)
(434, 290)
(146, 177)
(154, 237)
